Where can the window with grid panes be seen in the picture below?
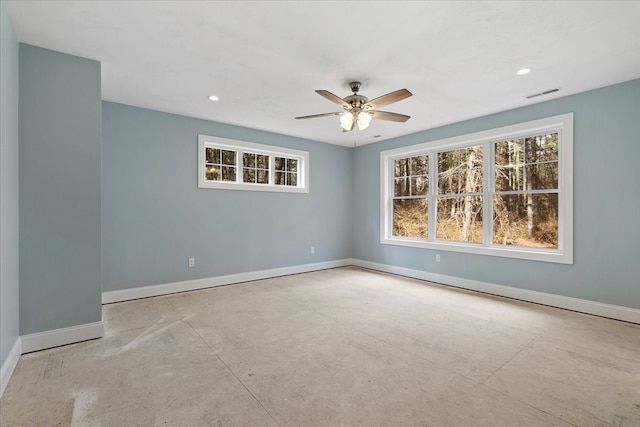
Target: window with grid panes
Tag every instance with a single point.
(231, 164)
(220, 164)
(286, 171)
(504, 192)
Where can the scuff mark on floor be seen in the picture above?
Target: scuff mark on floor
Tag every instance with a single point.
(145, 336)
(83, 399)
(52, 367)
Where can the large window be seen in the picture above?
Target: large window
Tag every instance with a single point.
(239, 165)
(505, 192)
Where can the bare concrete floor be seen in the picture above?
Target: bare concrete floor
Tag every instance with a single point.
(341, 347)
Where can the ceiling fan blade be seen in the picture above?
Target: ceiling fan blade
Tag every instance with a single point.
(333, 98)
(387, 99)
(318, 115)
(392, 117)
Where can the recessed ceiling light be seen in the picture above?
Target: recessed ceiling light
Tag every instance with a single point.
(214, 98)
(523, 71)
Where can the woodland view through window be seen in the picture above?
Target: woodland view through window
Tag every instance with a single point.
(505, 192)
(239, 165)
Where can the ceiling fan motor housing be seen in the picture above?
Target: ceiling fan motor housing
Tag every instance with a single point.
(355, 100)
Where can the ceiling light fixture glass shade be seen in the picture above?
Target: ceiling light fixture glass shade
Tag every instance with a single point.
(346, 121)
(364, 119)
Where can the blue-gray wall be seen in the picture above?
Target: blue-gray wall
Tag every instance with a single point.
(606, 203)
(9, 267)
(154, 217)
(60, 130)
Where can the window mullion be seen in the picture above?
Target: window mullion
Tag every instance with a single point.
(488, 181)
(431, 197)
(389, 190)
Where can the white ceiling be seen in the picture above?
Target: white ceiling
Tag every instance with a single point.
(264, 59)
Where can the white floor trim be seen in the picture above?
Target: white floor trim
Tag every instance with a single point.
(62, 336)
(10, 364)
(209, 282)
(626, 314)
(617, 312)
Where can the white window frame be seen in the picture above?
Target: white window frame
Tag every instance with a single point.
(240, 147)
(563, 124)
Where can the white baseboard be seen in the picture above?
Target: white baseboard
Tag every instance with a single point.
(626, 314)
(617, 312)
(62, 336)
(9, 365)
(209, 282)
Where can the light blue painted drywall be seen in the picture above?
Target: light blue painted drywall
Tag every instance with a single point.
(606, 203)
(60, 131)
(9, 244)
(154, 216)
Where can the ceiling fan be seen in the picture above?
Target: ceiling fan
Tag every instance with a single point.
(358, 108)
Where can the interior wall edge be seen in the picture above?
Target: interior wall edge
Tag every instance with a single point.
(10, 364)
(63, 336)
(626, 314)
(210, 282)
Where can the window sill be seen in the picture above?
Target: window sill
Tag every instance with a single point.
(529, 254)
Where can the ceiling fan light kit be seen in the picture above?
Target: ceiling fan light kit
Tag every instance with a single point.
(362, 118)
(359, 110)
(346, 121)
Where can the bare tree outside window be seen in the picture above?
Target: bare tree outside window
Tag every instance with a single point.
(459, 200)
(286, 171)
(411, 188)
(525, 201)
(220, 165)
(255, 168)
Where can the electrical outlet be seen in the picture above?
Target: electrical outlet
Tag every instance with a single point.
(313, 249)
(192, 262)
(437, 257)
